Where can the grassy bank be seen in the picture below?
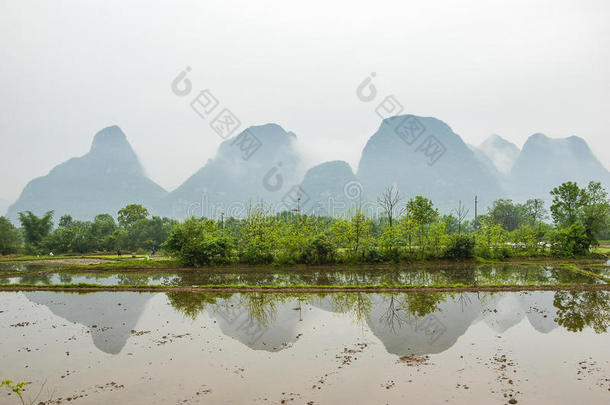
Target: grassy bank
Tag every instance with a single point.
(85, 288)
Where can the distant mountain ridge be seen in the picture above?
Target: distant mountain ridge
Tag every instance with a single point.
(327, 187)
(418, 155)
(3, 206)
(259, 164)
(545, 163)
(391, 158)
(103, 180)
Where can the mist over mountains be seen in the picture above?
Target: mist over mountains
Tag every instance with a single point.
(398, 154)
(255, 165)
(419, 155)
(4, 204)
(104, 180)
(500, 152)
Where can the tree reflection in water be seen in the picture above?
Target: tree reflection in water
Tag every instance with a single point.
(575, 309)
(357, 304)
(191, 304)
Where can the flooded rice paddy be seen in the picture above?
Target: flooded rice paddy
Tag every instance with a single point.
(468, 274)
(335, 348)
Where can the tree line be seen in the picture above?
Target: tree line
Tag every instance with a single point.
(408, 230)
(134, 230)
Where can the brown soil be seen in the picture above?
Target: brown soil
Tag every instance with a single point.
(414, 360)
(76, 261)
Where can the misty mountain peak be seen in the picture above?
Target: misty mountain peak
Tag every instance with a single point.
(546, 162)
(260, 163)
(399, 153)
(572, 146)
(257, 143)
(538, 137)
(500, 152)
(111, 137)
(270, 132)
(103, 180)
(111, 146)
(497, 140)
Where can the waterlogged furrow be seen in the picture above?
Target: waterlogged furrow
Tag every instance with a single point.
(485, 275)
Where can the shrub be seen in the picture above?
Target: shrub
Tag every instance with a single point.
(256, 253)
(373, 255)
(570, 241)
(198, 242)
(319, 250)
(459, 246)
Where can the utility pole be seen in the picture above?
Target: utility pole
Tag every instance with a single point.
(298, 208)
(476, 205)
(459, 219)
(222, 220)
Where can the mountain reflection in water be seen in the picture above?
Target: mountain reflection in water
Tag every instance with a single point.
(406, 323)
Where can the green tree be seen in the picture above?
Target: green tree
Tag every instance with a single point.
(65, 221)
(507, 214)
(103, 230)
(293, 234)
(358, 232)
(319, 249)
(568, 200)
(534, 211)
(490, 238)
(258, 235)
(437, 238)
(390, 242)
(525, 238)
(409, 227)
(459, 246)
(570, 241)
(131, 214)
(198, 242)
(35, 230)
(451, 223)
(71, 236)
(596, 211)
(146, 233)
(422, 212)
(10, 238)
(589, 206)
(60, 240)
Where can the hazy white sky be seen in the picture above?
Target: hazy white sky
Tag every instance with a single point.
(70, 68)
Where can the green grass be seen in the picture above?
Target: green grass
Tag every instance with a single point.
(277, 287)
(575, 268)
(100, 256)
(33, 258)
(128, 264)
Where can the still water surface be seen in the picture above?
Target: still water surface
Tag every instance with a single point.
(467, 274)
(265, 348)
